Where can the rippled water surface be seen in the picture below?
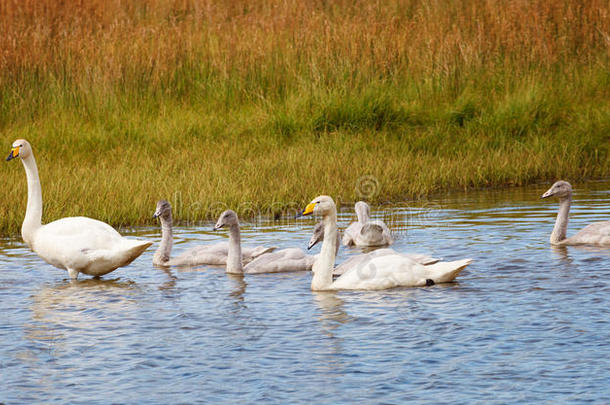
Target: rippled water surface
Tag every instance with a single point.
(525, 322)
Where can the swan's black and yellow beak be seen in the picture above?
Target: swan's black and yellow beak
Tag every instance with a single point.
(14, 153)
(308, 210)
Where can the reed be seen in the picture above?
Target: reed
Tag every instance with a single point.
(259, 106)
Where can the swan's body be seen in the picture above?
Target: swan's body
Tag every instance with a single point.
(76, 244)
(285, 260)
(371, 271)
(364, 232)
(318, 236)
(215, 254)
(597, 233)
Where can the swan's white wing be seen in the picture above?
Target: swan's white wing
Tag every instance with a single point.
(387, 270)
(597, 233)
(361, 258)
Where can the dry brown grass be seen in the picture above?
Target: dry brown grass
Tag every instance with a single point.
(268, 103)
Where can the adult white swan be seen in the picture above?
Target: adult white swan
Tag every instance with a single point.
(215, 254)
(379, 270)
(284, 260)
(364, 232)
(77, 244)
(597, 233)
(318, 236)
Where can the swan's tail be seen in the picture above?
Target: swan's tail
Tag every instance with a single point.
(444, 272)
(134, 248)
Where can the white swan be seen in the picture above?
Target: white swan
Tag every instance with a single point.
(215, 254)
(76, 244)
(365, 232)
(597, 233)
(318, 236)
(285, 260)
(379, 270)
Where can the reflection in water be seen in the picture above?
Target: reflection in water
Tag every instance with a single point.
(170, 284)
(561, 252)
(238, 284)
(331, 315)
(74, 305)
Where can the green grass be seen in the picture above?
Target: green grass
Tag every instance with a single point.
(268, 122)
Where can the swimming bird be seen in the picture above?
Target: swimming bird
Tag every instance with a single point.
(76, 244)
(364, 232)
(597, 233)
(318, 236)
(377, 271)
(284, 260)
(214, 254)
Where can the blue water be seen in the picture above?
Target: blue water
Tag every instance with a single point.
(525, 323)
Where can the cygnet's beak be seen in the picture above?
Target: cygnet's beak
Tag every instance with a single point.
(547, 194)
(218, 226)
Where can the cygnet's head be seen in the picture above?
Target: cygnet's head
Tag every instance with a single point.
(561, 189)
(227, 218)
(164, 209)
(21, 148)
(317, 236)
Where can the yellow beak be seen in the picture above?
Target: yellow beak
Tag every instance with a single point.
(14, 153)
(309, 209)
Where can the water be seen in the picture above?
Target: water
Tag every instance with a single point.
(525, 322)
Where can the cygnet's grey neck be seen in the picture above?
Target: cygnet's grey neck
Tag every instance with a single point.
(561, 223)
(234, 260)
(162, 255)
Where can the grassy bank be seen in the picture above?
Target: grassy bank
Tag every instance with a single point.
(260, 106)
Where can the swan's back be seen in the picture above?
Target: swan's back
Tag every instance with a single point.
(362, 258)
(372, 233)
(285, 260)
(387, 270)
(597, 233)
(79, 231)
(215, 255)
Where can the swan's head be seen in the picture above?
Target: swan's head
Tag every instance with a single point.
(561, 189)
(21, 148)
(227, 218)
(321, 205)
(363, 211)
(317, 236)
(164, 209)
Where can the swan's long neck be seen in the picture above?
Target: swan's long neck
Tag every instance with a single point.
(561, 224)
(162, 255)
(33, 213)
(363, 215)
(323, 266)
(234, 263)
